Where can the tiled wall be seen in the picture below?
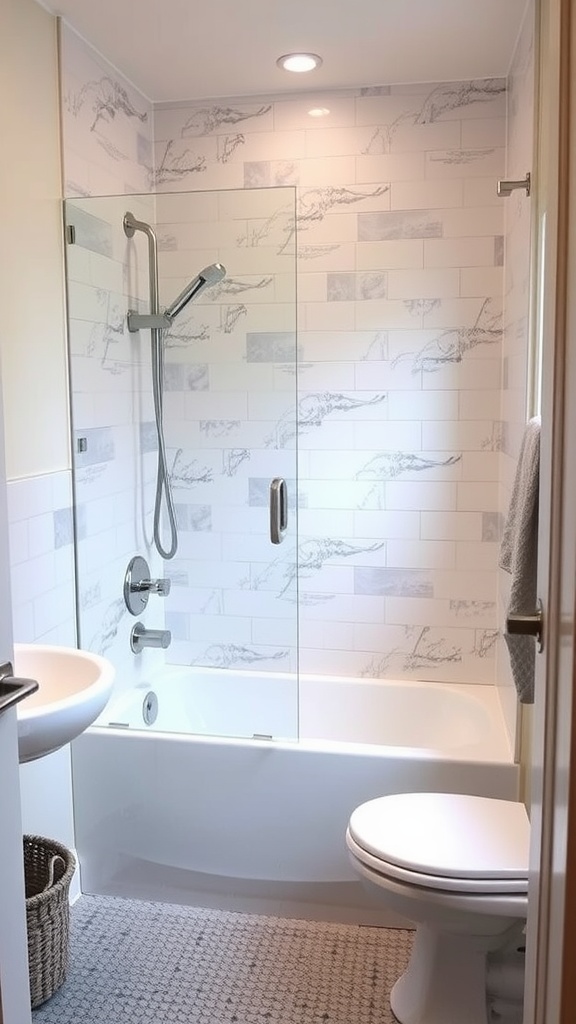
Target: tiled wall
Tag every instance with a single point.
(230, 426)
(517, 334)
(400, 253)
(107, 125)
(113, 428)
(42, 559)
(400, 247)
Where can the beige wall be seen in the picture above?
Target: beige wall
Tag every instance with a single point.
(32, 337)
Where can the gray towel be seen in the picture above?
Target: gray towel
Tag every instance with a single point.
(519, 557)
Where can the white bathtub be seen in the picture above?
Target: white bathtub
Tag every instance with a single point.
(253, 824)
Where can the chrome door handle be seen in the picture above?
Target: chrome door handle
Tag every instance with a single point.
(278, 509)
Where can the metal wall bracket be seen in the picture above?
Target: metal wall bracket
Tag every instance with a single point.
(528, 625)
(147, 321)
(505, 188)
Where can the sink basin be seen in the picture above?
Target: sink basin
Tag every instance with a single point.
(74, 687)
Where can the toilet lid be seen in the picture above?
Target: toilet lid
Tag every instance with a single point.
(445, 840)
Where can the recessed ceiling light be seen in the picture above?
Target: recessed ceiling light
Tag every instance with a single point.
(319, 112)
(299, 61)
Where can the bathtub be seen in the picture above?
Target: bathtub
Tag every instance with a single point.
(256, 821)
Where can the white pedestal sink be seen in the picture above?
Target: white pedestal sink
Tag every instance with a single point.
(74, 687)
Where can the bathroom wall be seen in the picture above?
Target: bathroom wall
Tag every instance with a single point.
(33, 351)
(400, 278)
(400, 253)
(519, 399)
(107, 132)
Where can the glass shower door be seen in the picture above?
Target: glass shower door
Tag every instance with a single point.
(230, 403)
(229, 410)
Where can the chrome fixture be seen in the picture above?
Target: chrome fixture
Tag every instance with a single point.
(140, 637)
(505, 188)
(278, 510)
(207, 278)
(150, 708)
(162, 321)
(528, 625)
(138, 586)
(157, 322)
(13, 688)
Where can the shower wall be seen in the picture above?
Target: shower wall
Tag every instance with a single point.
(107, 130)
(400, 285)
(401, 404)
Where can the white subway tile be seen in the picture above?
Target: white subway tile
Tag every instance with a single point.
(389, 525)
(471, 435)
(479, 585)
(451, 526)
(481, 192)
(459, 252)
(330, 170)
(471, 556)
(424, 554)
(327, 316)
(481, 281)
(483, 131)
(323, 141)
(465, 163)
(418, 138)
(473, 221)
(403, 436)
(295, 112)
(426, 195)
(421, 497)
(423, 284)
(477, 497)
(390, 167)
(18, 542)
(477, 405)
(472, 374)
(419, 611)
(420, 405)
(399, 254)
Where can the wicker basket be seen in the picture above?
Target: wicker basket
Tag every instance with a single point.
(48, 870)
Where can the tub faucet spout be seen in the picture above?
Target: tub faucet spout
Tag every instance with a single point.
(140, 637)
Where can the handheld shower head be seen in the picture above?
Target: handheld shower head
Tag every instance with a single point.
(205, 279)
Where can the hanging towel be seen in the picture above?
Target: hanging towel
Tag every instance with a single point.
(519, 557)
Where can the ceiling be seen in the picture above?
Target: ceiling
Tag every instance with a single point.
(183, 49)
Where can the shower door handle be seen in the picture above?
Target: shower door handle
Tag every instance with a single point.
(278, 509)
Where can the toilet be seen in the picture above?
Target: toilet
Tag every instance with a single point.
(457, 866)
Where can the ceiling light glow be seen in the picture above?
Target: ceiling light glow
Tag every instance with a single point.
(299, 62)
(319, 112)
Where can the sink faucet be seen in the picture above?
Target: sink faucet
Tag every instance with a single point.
(141, 637)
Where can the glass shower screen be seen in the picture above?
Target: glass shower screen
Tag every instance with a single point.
(229, 411)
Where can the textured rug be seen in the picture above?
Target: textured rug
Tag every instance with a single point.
(152, 963)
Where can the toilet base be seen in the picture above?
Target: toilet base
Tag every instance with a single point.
(445, 981)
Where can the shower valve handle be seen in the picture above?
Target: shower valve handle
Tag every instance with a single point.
(138, 585)
(161, 587)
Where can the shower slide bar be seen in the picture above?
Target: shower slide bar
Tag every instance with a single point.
(157, 323)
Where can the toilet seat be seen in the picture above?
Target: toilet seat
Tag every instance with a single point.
(444, 841)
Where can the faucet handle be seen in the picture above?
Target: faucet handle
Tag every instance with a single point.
(138, 585)
(161, 586)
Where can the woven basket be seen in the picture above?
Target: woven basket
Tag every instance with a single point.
(48, 870)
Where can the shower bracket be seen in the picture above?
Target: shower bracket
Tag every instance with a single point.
(148, 321)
